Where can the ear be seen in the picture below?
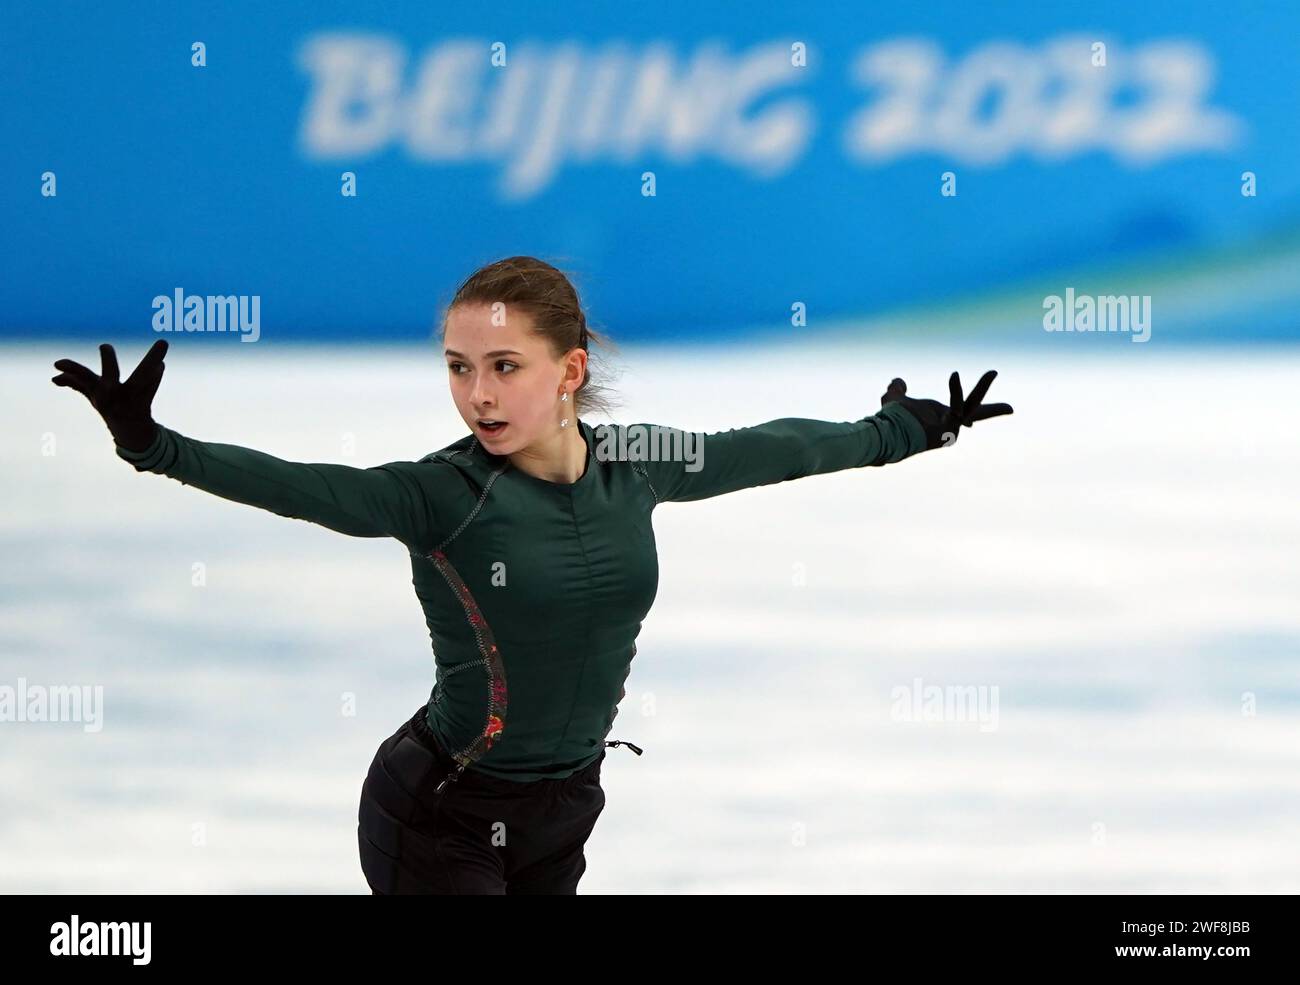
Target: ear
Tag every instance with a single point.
(575, 367)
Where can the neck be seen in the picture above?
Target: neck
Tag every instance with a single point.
(561, 459)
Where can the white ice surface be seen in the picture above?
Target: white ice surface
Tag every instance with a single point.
(1119, 559)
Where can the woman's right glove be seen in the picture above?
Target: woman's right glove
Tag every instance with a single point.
(125, 407)
(942, 423)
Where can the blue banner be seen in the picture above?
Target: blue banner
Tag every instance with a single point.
(702, 171)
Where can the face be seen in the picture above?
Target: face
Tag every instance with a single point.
(507, 372)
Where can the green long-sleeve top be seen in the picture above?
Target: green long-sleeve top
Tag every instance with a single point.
(533, 591)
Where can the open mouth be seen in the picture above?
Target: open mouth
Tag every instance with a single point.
(490, 427)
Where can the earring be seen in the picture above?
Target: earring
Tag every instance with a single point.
(564, 397)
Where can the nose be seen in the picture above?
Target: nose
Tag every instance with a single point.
(479, 395)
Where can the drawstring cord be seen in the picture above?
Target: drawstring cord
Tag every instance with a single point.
(451, 777)
(454, 775)
(624, 742)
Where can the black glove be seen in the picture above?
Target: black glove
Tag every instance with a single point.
(123, 406)
(942, 423)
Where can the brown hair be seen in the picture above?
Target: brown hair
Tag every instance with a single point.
(548, 296)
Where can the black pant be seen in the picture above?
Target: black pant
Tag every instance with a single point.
(481, 834)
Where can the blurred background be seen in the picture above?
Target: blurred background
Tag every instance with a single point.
(1060, 657)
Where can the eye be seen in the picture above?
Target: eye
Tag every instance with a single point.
(506, 362)
(452, 366)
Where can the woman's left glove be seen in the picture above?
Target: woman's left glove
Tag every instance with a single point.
(942, 423)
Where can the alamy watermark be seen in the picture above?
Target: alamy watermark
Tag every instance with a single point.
(101, 939)
(921, 702)
(1107, 313)
(183, 312)
(53, 703)
(649, 443)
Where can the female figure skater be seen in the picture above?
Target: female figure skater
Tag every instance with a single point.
(533, 559)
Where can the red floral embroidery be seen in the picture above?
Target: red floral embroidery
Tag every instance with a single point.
(496, 715)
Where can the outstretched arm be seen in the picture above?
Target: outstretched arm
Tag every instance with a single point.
(392, 500)
(708, 465)
(776, 451)
(384, 501)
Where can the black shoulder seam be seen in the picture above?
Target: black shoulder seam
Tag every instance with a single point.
(469, 452)
(487, 486)
(653, 491)
(448, 453)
